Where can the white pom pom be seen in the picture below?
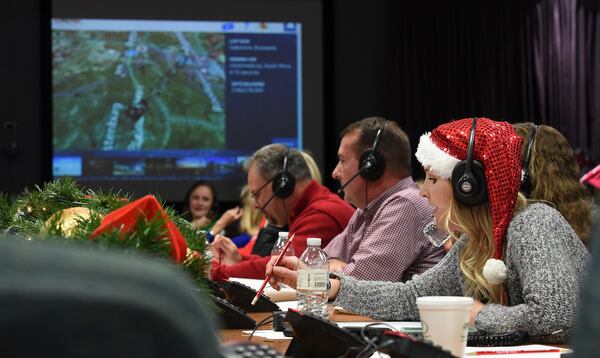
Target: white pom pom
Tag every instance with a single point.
(495, 271)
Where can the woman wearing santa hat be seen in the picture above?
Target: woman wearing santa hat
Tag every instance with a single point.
(523, 264)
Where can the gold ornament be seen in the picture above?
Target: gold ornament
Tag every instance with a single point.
(68, 219)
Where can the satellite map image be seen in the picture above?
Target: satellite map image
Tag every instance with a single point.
(138, 90)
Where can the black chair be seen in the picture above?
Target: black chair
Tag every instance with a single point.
(57, 300)
(585, 337)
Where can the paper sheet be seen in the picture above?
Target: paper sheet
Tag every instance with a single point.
(285, 294)
(398, 325)
(287, 304)
(270, 334)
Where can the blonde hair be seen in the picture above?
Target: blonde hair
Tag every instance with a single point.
(555, 173)
(476, 224)
(315, 173)
(251, 217)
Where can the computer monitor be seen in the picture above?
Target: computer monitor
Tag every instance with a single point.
(151, 96)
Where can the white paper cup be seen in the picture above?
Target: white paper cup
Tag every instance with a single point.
(445, 321)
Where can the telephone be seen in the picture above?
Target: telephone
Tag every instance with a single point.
(215, 290)
(475, 338)
(231, 316)
(248, 349)
(481, 339)
(316, 336)
(241, 296)
(233, 300)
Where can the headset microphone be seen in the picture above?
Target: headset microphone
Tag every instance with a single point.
(341, 189)
(371, 163)
(273, 196)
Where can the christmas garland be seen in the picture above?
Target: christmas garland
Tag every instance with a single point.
(62, 209)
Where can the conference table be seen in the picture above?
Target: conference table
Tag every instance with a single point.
(280, 345)
(336, 315)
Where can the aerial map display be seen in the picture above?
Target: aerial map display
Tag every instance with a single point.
(171, 101)
(138, 90)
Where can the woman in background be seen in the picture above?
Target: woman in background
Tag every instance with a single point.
(315, 173)
(551, 174)
(202, 204)
(249, 217)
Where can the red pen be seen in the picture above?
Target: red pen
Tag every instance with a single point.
(262, 287)
(519, 351)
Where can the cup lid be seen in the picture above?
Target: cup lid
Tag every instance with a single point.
(444, 301)
(283, 233)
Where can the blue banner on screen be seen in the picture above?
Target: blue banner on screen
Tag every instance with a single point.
(171, 100)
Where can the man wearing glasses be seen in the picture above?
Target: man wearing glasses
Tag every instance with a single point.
(280, 183)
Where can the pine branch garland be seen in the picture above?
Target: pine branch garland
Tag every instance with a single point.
(7, 212)
(32, 217)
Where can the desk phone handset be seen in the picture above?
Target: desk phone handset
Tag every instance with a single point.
(315, 336)
(241, 296)
(247, 349)
(233, 301)
(232, 317)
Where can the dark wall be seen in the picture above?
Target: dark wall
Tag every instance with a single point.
(22, 115)
(422, 63)
(360, 67)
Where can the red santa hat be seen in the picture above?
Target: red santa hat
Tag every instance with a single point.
(592, 178)
(496, 146)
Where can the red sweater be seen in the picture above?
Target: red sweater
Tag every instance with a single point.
(317, 213)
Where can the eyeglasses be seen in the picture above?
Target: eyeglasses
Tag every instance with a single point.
(254, 195)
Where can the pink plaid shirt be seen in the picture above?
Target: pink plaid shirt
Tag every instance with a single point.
(385, 241)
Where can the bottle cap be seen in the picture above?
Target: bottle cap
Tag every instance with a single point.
(313, 241)
(283, 234)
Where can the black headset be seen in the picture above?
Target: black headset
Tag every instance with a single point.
(283, 183)
(371, 162)
(526, 185)
(468, 177)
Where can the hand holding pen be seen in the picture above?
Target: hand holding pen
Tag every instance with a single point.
(270, 273)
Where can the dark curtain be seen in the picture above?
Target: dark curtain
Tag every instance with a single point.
(510, 60)
(565, 39)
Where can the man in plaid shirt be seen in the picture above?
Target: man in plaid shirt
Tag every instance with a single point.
(384, 239)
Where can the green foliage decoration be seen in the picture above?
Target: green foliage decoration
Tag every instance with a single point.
(31, 217)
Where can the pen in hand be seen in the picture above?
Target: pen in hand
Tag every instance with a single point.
(264, 284)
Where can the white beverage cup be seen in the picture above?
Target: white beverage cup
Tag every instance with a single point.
(445, 321)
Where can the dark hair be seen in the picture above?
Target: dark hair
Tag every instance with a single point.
(394, 144)
(209, 185)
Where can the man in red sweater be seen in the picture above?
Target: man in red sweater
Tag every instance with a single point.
(280, 183)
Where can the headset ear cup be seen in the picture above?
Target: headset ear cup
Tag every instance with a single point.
(283, 185)
(476, 178)
(526, 185)
(372, 165)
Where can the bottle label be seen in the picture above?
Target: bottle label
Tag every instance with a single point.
(312, 279)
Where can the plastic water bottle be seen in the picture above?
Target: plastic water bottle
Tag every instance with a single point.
(280, 243)
(313, 279)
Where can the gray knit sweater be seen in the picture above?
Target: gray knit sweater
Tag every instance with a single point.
(546, 263)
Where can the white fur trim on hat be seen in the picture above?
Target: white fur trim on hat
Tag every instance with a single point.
(495, 271)
(435, 159)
